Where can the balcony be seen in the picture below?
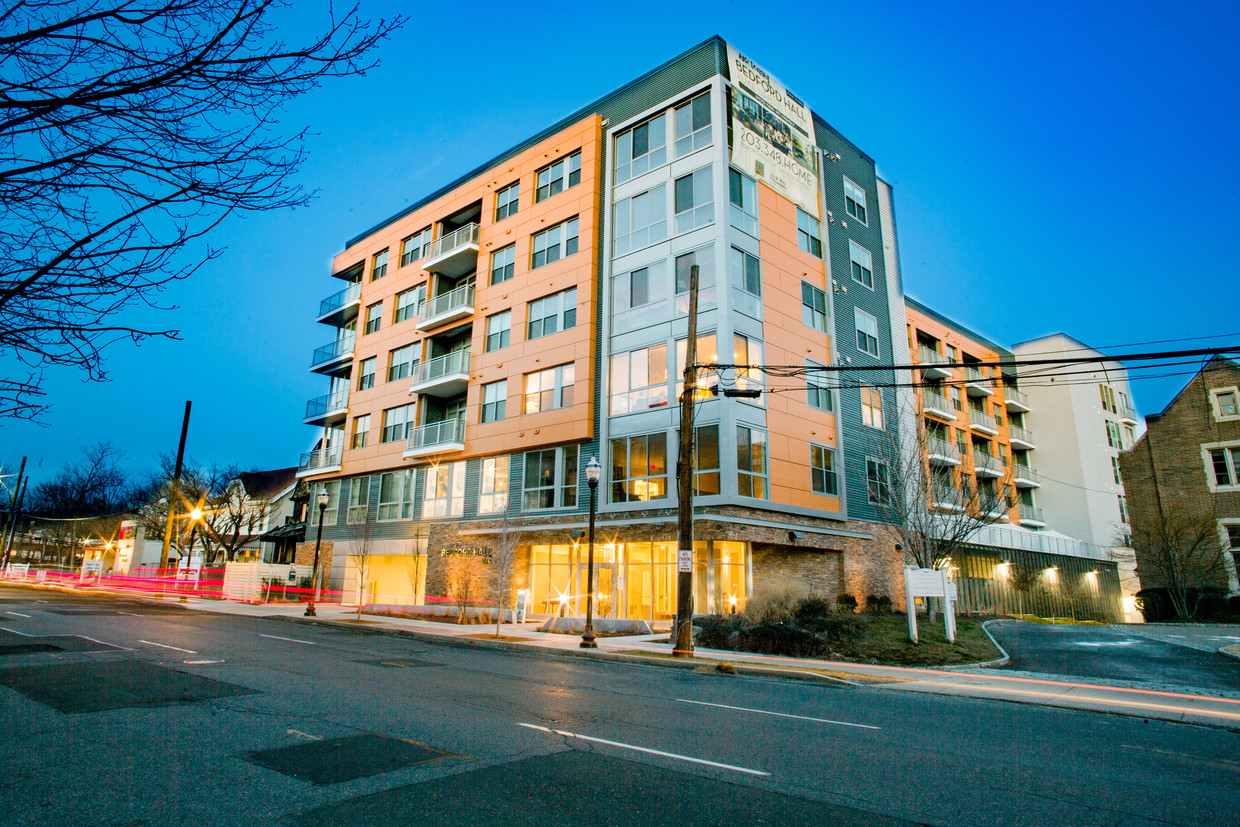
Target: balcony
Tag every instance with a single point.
(936, 364)
(329, 409)
(443, 376)
(992, 507)
(1128, 415)
(321, 461)
(1015, 400)
(946, 498)
(341, 308)
(447, 307)
(983, 422)
(935, 404)
(977, 383)
(332, 357)
(942, 453)
(436, 438)
(986, 465)
(1025, 477)
(454, 254)
(1031, 515)
(1020, 438)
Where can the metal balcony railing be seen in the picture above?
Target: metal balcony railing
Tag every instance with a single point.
(1013, 395)
(992, 505)
(1019, 434)
(987, 462)
(452, 364)
(321, 458)
(1128, 412)
(942, 448)
(323, 405)
(983, 420)
(926, 356)
(446, 244)
(946, 495)
(445, 303)
(333, 351)
(975, 375)
(338, 300)
(1031, 512)
(447, 432)
(1024, 472)
(932, 401)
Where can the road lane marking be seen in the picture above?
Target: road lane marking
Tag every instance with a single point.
(290, 639)
(304, 734)
(131, 614)
(200, 662)
(18, 614)
(778, 714)
(646, 750)
(166, 646)
(15, 632)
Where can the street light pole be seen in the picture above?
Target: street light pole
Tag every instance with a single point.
(593, 471)
(314, 575)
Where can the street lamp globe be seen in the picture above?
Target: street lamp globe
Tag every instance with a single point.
(323, 498)
(593, 471)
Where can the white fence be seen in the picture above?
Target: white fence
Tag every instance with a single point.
(253, 582)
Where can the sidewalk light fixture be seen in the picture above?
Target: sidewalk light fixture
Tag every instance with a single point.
(318, 539)
(593, 472)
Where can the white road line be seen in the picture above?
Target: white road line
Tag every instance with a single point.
(646, 750)
(778, 714)
(166, 646)
(290, 639)
(15, 632)
(131, 614)
(18, 614)
(304, 735)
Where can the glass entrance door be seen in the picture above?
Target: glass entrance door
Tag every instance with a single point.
(605, 594)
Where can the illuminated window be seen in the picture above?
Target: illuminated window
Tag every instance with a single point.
(546, 390)
(395, 495)
(638, 380)
(639, 468)
(550, 478)
(493, 486)
(872, 407)
(444, 495)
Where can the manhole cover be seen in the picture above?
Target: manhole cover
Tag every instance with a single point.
(91, 687)
(343, 759)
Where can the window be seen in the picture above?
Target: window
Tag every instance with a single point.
(706, 460)
(551, 179)
(373, 313)
(361, 427)
(822, 470)
(396, 495)
(707, 354)
(641, 149)
(692, 124)
(1108, 399)
(409, 303)
(956, 403)
(359, 498)
(546, 390)
(751, 468)
(400, 363)
(494, 400)
(743, 198)
(1232, 536)
(555, 243)
(1130, 436)
(872, 407)
(1225, 402)
(378, 268)
(506, 201)
(395, 422)
(819, 391)
(552, 314)
(809, 235)
(695, 200)
(498, 329)
(551, 478)
(1222, 465)
(366, 374)
(1115, 470)
(1123, 509)
(813, 307)
(854, 200)
(639, 380)
(641, 220)
(493, 486)
(704, 258)
(746, 272)
(1114, 438)
(415, 246)
(867, 332)
(862, 264)
(333, 501)
(638, 296)
(445, 490)
(639, 468)
(503, 262)
(747, 351)
(878, 481)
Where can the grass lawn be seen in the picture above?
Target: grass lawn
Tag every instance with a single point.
(887, 642)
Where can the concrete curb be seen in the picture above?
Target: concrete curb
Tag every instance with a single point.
(1003, 661)
(1232, 651)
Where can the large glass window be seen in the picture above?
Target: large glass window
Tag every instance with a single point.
(706, 460)
(743, 200)
(546, 390)
(813, 307)
(641, 220)
(692, 123)
(400, 362)
(359, 499)
(551, 478)
(445, 490)
(637, 297)
(361, 430)
(862, 264)
(366, 374)
(409, 303)
(747, 351)
(746, 272)
(751, 462)
(822, 470)
(555, 178)
(809, 233)
(551, 314)
(493, 486)
(641, 149)
(639, 380)
(639, 468)
(506, 201)
(415, 246)
(854, 200)
(503, 263)
(499, 327)
(396, 421)
(374, 313)
(396, 495)
(494, 400)
(333, 502)
(704, 258)
(707, 353)
(695, 200)
(554, 243)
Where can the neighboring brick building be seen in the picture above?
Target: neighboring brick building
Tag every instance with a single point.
(1189, 459)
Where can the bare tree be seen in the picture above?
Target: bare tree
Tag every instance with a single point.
(127, 133)
(84, 500)
(466, 576)
(361, 546)
(503, 561)
(235, 515)
(1178, 550)
(1022, 578)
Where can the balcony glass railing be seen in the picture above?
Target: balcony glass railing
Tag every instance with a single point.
(926, 356)
(936, 402)
(983, 420)
(451, 365)
(987, 462)
(1013, 395)
(335, 350)
(941, 448)
(1024, 472)
(322, 405)
(1128, 412)
(1015, 432)
(321, 458)
(338, 300)
(448, 302)
(448, 432)
(452, 241)
(992, 505)
(976, 376)
(1031, 512)
(945, 495)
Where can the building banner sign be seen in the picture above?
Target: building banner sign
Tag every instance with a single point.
(772, 134)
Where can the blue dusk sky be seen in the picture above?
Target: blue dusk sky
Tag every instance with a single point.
(1057, 167)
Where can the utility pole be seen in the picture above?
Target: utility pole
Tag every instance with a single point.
(17, 487)
(16, 515)
(176, 488)
(682, 646)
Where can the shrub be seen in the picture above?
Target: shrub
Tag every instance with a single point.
(878, 604)
(812, 629)
(846, 603)
(775, 600)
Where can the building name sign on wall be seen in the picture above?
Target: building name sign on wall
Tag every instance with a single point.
(466, 551)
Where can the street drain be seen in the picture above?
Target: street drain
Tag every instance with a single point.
(344, 759)
(92, 687)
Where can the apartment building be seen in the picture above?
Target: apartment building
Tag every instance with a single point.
(498, 334)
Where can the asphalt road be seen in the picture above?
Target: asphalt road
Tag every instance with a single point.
(207, 719)
(1112, 653)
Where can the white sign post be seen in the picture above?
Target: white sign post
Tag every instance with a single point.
(919, 582)
(523, 602)
(684, 560)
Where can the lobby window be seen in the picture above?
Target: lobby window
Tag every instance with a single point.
(872, 407)
(695, 200)
(554, 243)
(751, 464)
(546, 390)
(359, 498)
(361, 429)
(877, 481)
(415, 246)
(743, 200)
(867, 332)
(333, 502)
(692, 124)
(373, 314)
(822, 470)
(493, 486)
(494, 400)
(551, 314)
(854, 200)
(555, 178)
(378, 266)
(1224, 462)
(813, 307)
(499, 327)
(409, 303)
(400, 363)
(638, 296)
(820, 395)
(639, 468)
(395, 495)
(506, 201)
(641, 220)
(862, 264)
(366, 374)
(395, 422)
(639, 380)
(550, 478)
(503, 264)
(809, 233)
(704, 258)
(445, 490)
(746, 272)
(641, 149)
(706, 478)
